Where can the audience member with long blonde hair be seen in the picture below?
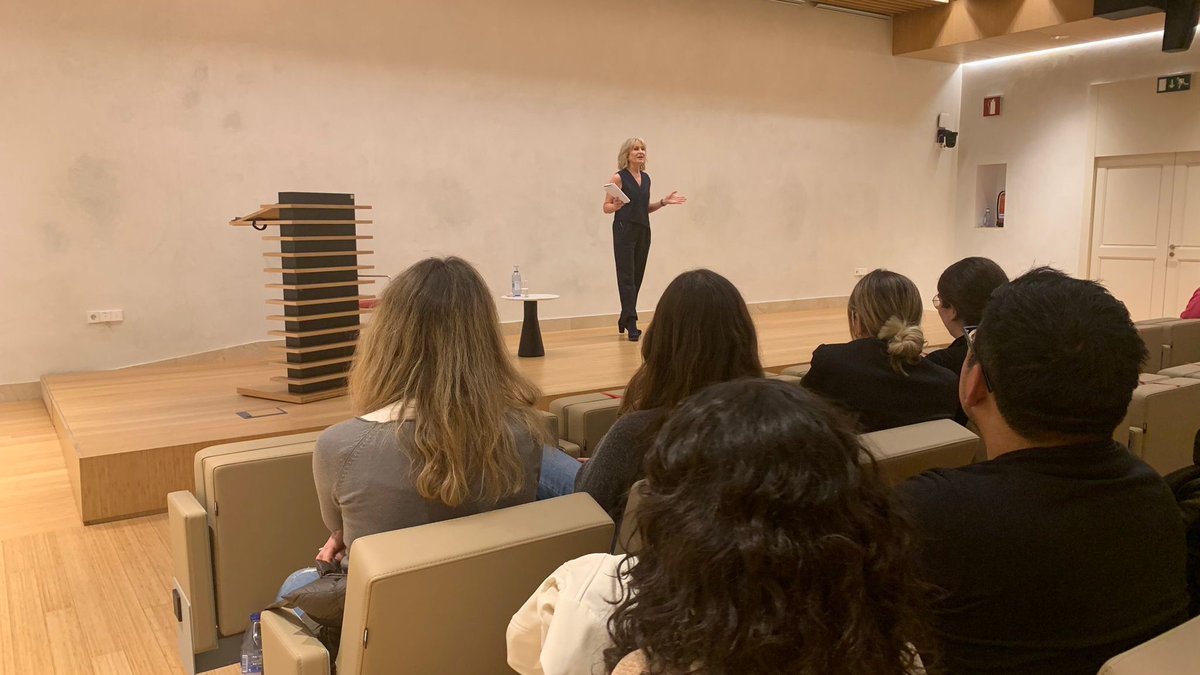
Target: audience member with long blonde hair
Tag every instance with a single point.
(445, 426)
(880, 376)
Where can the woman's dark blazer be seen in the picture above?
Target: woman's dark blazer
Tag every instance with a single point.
(858, 377)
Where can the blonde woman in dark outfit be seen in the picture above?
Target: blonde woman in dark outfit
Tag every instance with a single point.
(631, 228)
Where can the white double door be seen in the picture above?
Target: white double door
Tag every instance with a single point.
(1146, 231)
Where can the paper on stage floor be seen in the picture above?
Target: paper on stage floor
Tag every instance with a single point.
(615, 192)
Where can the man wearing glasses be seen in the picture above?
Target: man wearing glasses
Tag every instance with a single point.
(1062, 549)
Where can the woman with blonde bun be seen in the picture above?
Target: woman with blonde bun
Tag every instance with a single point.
(880, 376)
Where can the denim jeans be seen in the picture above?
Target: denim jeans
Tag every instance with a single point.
(558, 473)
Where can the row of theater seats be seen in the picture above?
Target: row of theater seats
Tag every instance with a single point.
(1171, 342)
(253, 518)
(583, 419)
(250, 521)
(1158, 427)
(437, 598)
(1163, 420)
(434, 598)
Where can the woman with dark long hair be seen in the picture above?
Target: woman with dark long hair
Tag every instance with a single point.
(701, 333)
(770, 545)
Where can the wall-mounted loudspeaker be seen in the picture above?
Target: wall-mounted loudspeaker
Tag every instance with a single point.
(1179, 27)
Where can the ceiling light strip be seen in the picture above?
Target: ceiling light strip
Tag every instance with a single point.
(1107, 42)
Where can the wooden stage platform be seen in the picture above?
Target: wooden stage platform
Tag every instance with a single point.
(129, 436)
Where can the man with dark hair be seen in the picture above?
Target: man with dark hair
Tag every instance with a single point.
(1063, 549)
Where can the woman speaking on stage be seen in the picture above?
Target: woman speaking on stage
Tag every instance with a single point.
(631, 228)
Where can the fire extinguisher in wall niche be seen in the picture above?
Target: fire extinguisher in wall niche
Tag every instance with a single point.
(1000, 209)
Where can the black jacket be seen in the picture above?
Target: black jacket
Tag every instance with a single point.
(858, 376)
(1050, 560)
(951, 358)
(1185, 484)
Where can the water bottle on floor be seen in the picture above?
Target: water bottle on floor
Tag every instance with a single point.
(252, 647)
(516, 282)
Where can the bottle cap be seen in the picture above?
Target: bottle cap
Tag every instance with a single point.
(256, 616)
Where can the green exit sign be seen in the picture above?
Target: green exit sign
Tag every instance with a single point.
(1173, 83)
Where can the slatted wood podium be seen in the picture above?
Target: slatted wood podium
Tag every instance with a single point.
(318, 260)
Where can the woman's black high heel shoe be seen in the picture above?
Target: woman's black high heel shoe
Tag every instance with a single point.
(620, 326)
(634, 333)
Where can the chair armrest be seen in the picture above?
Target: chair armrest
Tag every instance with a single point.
(903, 452)
(289, 648)
(589, 422)
(1172, 653)
(568, 447)
(191, 564)
(560, 406)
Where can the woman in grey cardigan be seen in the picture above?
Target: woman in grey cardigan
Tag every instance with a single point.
(445, 425)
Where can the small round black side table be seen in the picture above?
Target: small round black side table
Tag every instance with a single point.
(531, 331)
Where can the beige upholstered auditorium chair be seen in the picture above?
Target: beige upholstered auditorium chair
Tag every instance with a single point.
(902, 452)
(1186, 370)
(1176, 652)
(1171, 342)
(1154, 334)
(253, 520)
(1162, 421)
(584, 419)
(437, 598)
(1183, 343)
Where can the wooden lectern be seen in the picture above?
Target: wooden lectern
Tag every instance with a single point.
(318, 258)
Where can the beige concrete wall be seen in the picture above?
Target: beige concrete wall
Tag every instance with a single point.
(133, 131)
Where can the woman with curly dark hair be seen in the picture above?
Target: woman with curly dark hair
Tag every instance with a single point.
(769, 545)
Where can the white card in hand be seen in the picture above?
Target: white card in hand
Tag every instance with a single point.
(615, 192)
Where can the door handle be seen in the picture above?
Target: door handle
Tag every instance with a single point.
(1171, 247)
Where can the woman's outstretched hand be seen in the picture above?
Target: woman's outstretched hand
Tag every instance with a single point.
(674, 198)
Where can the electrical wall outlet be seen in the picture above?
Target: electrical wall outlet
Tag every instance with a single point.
(105, 316)
(861, 271)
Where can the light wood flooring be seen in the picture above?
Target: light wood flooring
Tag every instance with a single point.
(75, 600)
